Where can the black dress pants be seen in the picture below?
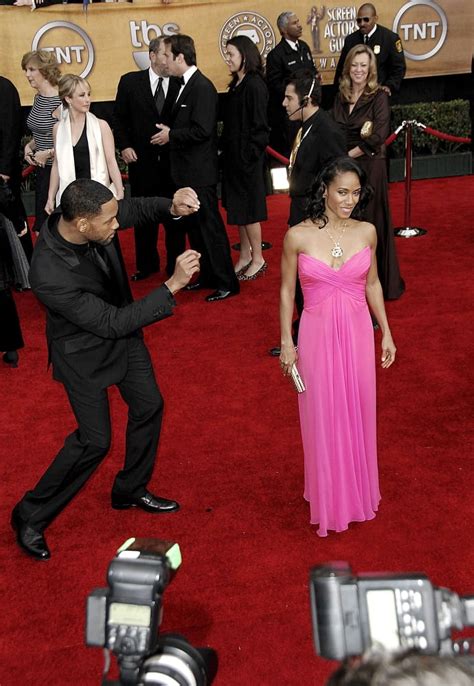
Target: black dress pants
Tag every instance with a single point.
(151, 181)
(208, 235)
(85, 448)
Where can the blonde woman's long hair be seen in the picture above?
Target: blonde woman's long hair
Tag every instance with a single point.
(345, 84)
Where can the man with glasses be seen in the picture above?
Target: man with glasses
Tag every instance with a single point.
(386, 45)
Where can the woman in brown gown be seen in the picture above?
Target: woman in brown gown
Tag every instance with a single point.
(362, 111)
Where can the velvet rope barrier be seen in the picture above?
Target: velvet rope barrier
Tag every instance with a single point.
(441, 135)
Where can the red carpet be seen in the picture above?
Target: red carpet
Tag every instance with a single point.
(231, 454)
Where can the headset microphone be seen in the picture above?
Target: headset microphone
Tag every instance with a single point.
(304, 100)
(290, 114)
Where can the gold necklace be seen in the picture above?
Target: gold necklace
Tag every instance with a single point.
(337, 250)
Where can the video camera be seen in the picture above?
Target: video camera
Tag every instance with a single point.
(351, 613)
(125, 619)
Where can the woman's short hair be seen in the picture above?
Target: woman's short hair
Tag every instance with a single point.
(67, 86)
(345, 84)
(45, 62)
(315, 209)
(252, 62)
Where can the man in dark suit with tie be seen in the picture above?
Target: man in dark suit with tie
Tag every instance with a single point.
(192, 138)
(143, 99)
(290, 55)
(95, 341)
(386, 45)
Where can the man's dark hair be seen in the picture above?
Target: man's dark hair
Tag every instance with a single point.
(408, 668)
(84, 198)
(305, 83)
(184, 45)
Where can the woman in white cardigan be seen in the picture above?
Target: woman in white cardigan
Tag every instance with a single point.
(83, 144)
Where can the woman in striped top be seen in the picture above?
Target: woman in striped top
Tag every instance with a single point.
(42, 71)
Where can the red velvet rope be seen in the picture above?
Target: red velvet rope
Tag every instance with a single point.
(277, 155)
(391, 138)
(445, 136)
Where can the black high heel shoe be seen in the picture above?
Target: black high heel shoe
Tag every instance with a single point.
(11, 358)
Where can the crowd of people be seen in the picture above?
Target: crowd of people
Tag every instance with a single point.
(338, 258)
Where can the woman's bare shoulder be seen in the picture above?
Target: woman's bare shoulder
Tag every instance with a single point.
(365, 229)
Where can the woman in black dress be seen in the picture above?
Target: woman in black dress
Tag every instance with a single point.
(245, 138)
(362, 110)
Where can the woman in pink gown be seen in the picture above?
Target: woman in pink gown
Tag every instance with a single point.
(334, 254)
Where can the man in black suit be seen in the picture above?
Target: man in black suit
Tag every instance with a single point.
(95, 341)
(192, 137)
(386, 45)
(143, 99)
(290, 55)
(319, 142)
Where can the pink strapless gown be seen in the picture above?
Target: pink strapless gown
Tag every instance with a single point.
(337, 410)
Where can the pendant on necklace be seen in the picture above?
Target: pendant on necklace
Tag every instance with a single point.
(337, 251)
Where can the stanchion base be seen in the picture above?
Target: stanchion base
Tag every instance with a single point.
(409, 231)
(265, 246)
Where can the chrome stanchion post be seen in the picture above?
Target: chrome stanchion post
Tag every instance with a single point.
(408, 231)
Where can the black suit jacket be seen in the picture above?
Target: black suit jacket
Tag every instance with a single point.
(324, 142)
(135, 119)
(282, 62)
(388, 50)
(11, 130)
(193, 135)
(89, 314)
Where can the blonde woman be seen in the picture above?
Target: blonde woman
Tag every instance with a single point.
(42, 72)
(84, 145)
(362, 111)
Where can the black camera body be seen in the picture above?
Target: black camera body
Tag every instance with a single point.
(404, 611)
(125, 618)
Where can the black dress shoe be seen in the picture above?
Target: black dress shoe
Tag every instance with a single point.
(218, 295)
(11, 358)
(139, 276)
(147, 502)
(31, 541)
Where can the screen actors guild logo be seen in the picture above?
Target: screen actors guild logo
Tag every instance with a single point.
(312, 21)
(65, 45)
(423, 26)
(249, 24)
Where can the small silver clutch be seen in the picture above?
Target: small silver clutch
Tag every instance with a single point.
(297, 380)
